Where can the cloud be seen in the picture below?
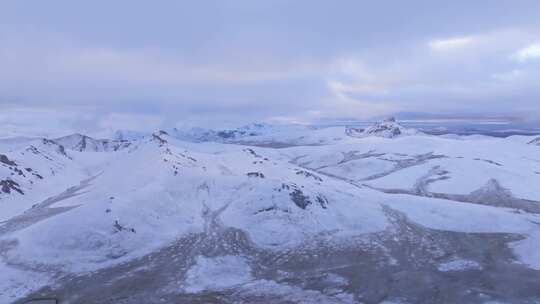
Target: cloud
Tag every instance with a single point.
(60, 62)
(133, 122)
(469, 73)
(509, 76)
(531, 52)
(233, 62)
(451, 43)
(43, 121)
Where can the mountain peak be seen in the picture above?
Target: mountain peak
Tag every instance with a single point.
(388, 128)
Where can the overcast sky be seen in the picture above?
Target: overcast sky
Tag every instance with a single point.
(104, 65)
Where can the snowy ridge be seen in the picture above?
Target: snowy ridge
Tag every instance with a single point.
(79, 142)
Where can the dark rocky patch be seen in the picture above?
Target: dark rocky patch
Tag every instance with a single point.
(266, 209)
(17, 170)
(255, 174)
(489, 161)
(118, 228)
(309, 174)
(228, 134)
(116, 145)
(157, 137)
(5, 160)
(32, 149)
(321, 199)
(9, 185)
(252, 152)
(299, 199)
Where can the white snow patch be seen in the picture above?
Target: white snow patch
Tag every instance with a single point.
(217, 273)
(528, 250)
(459, 265)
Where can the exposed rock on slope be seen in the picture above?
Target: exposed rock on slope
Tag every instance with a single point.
(8, 185)
(535, 141)
(21, 168)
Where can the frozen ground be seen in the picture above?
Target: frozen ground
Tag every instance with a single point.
(321, 217)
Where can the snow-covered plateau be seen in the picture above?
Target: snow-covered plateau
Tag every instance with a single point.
(271, 214)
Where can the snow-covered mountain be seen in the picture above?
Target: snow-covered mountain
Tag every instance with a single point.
(79, 142)
(388, 128)
(277, 215)
(21, 168)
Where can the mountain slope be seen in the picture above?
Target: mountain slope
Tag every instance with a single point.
(21, 168)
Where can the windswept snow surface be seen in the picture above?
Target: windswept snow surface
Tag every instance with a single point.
(321, 216)
(459, 265)
(217, 273)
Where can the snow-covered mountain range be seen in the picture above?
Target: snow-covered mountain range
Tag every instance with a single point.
(79, 142)
(271, 214)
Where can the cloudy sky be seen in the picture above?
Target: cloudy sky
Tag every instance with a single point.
(102, 65)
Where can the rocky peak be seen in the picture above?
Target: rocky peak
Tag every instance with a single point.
(160, 137)
(388, 128)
